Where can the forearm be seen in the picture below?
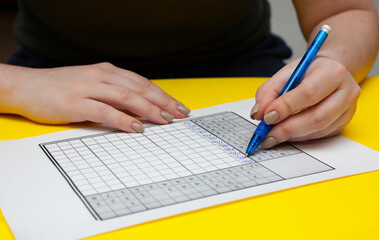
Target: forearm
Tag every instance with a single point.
(353, 42)
(354, 39)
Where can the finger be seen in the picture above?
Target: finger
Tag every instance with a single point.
(270, 90)
(312, 120)
(147, 89)
(127, 99)
(316, 87)
(158, 97)
(332, 130)
(99, 112)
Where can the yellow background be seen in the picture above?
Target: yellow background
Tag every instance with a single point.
(345, 208)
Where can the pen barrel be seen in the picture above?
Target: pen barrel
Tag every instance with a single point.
(302, 67)
(262, 129)
(295, 79)
(259, 135)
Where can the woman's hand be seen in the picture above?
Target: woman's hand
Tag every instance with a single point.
(89, 93)
(326, 98)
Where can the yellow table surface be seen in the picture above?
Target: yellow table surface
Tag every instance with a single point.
(345, 208)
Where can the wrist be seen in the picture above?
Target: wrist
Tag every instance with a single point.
(11, 90)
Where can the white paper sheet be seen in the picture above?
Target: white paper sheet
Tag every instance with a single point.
(38, 202)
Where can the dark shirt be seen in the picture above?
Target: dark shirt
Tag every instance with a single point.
(140, 33)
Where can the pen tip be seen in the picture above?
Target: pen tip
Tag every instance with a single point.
(246, 155)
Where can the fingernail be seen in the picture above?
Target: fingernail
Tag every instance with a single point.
(167, 116)
(138, 127)
(271, 117)
(183, 109)
(269, 142)
(254, 110)
(181, 104)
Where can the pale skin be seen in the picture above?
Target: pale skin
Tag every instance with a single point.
(329, 91)
(327, 97)
(94, 93)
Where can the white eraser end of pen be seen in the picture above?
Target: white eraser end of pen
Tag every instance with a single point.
(326, 28)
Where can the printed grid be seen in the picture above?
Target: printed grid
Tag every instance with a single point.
(119, 173)
(237, 131)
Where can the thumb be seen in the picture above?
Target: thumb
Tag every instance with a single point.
(270, 90)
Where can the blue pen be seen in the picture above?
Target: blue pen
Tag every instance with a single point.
(295, 79)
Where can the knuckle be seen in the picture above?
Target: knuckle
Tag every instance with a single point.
(134, 75)
(262, 90)
(102, 111)
(125, 94)
(286, 132)
(286, 104)
(310, 93)
(356, 92)
(106, 65)
(153, 110)
(144, 85)
(339, 69)
(324, 62)
(120, 120)
(319, 122)
(166, 101)
(352, 94)
(95, 72)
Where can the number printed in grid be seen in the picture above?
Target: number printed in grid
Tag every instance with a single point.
(117, 173)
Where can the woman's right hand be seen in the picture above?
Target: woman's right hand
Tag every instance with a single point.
(86, 93)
